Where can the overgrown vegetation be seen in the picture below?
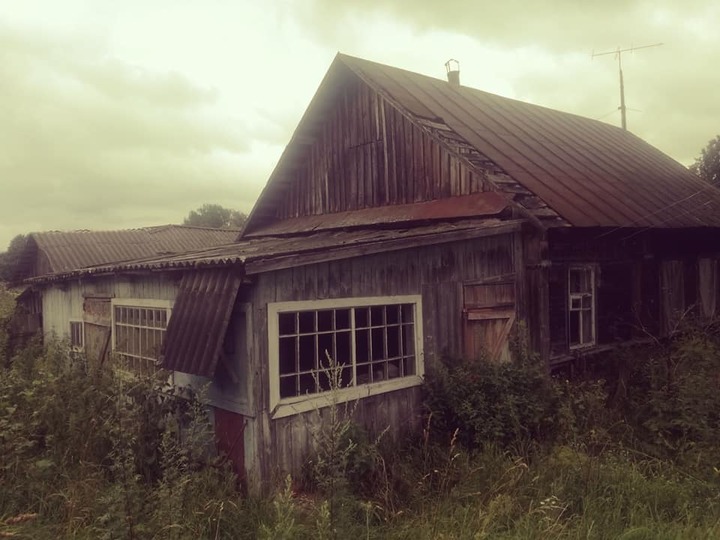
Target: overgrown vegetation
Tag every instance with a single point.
(506, 452)
(97, 454)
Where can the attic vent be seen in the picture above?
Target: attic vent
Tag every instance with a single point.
(453, 71)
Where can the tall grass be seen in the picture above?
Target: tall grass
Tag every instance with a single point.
(97, 454)
(506, 453)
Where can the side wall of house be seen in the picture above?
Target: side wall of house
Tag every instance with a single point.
(644, 282)
(89, 301)
(438, 274)
(367, 154)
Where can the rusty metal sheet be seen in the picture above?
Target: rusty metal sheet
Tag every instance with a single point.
(475, 205)
(594, 173)
(199, 319)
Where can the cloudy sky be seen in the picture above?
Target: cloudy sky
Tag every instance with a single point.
(126, 114)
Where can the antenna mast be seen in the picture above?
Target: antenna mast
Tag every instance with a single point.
(618, 52)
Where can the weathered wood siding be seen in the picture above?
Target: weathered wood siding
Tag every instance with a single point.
(645, 280)
(83, 300)
(436, 272)
(368, 154)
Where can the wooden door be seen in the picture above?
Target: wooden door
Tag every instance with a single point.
(230, 440)
(489, 315)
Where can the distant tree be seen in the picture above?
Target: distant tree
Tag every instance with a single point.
(215, 216)
(707, 166)
(10, 259)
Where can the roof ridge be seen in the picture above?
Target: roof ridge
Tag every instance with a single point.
(348, 60)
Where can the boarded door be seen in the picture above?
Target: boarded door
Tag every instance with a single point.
(97, 316)
(489, 313)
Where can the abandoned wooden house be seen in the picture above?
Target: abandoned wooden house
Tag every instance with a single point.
(409, 218)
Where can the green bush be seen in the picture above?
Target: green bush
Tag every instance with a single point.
(102, 454)
(488, 402)
(671, 394)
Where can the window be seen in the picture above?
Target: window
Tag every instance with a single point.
(376, 344)
(138, 332)
(581, 306)
(77, 335)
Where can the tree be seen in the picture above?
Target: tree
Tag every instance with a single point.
(10, 259)
(215, 216)
(707, 166)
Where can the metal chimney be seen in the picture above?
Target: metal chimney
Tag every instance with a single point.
(453, 71)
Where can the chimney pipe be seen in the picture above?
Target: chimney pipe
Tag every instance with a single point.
(453, 71)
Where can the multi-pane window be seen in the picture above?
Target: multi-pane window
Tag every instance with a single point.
(138, 334)
(77, 335)
(367, 344)
(581, 305)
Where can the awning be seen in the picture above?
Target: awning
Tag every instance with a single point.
(200, 317)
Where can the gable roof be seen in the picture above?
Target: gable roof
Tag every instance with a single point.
(590, 173)
(67, 251)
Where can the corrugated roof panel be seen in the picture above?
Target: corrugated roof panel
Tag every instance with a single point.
(199, 320)
(252, 250)
(68, 251)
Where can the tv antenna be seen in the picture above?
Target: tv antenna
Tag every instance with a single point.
(618, 54)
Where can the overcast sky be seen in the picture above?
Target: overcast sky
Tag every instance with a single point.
(127, 114)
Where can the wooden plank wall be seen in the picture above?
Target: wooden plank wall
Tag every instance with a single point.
(630, 293)
(366, 154)
(436, 272)
(77, 300)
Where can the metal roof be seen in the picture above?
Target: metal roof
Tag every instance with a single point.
(66, 251)
(474, 205)
(591, 173)
(200, 318)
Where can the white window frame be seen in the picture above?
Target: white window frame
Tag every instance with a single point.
(137, 303)
(81, 347)
(281, 407)
(593, 307)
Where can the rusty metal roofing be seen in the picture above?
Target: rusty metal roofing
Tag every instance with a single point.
(272, 252)
(590, 173)
(199, 320)
(474, 205)
(66, 251)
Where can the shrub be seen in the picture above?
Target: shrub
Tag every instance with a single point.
(671, 398)
(487, 402)
(104, 454)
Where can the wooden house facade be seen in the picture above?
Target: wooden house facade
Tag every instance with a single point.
(411, 218)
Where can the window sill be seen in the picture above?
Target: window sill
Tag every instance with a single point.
(302, 404)
(582, 347)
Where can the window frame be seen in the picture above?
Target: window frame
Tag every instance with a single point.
(592, 268)
(281, 407)
(81, 347)
(142, 303)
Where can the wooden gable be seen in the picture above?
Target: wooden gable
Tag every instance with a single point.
(368, 154)
(356, 151)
